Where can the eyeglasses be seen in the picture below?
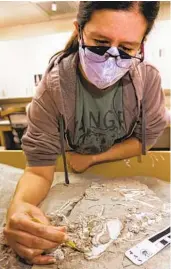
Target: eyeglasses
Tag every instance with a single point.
(101, 54)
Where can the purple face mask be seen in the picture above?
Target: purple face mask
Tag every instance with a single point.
(102, 70)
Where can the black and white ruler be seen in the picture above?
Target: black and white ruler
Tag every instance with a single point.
(149, 247)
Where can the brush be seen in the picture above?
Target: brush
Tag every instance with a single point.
(68, 243)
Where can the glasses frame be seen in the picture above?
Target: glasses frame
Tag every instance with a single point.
(101, 50)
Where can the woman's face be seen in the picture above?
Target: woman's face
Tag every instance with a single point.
(122, 29)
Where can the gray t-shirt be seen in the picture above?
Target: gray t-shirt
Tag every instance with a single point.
(99, 117)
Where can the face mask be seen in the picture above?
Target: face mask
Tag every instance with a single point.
(103, 70)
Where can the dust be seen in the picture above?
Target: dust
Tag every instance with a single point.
(8, 258)
(103, 222)
(137, 208)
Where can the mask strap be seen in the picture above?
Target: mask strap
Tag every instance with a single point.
(142, 51)
(80, 35)
(142, 48)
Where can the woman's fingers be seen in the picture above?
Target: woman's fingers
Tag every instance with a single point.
(29, 240)
(32, 256)
(50, 232)
(41, 260)
(25, 252)
(29, 233)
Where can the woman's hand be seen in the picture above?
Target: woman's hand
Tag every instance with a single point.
(29, 233)
(78, 162)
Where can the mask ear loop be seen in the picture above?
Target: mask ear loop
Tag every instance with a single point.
(142, 50)
(81, 36)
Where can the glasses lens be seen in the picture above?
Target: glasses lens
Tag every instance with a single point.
(98, 50)
(96, 54)
(124, 55)
(125, 60)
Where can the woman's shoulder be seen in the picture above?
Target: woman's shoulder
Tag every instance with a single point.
(61, 67)
(59, 79)
(147, 66)
(148, 71)
(62, 60)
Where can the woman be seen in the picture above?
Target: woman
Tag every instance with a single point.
(97, 98)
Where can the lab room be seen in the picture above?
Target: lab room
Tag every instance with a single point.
(85, 134)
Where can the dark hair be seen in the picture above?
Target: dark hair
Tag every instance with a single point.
(149, 9)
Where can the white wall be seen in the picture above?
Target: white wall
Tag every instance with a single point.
(21, 59)
(158, 50)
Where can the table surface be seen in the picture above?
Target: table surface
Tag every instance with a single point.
(77, 187)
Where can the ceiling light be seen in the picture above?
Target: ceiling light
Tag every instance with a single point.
(54, 6)
(38, 1)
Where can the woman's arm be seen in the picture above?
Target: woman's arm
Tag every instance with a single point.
(127, 149)
(34, 184)
(27, 230)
